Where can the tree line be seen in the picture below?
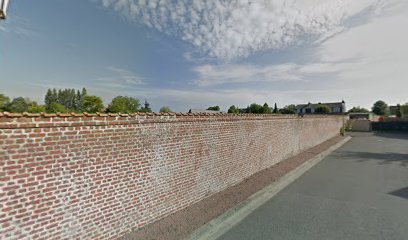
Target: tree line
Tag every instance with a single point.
(71, 100)
(265, 109)
(259, 109)
(381, 108)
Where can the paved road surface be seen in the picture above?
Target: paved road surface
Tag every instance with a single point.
(358, 192)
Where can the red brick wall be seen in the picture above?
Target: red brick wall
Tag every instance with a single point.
(98, 176)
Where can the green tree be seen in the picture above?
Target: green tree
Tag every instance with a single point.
(404, 110)
(50, 97)
(84, 92)
(398, 111)
(289, 109)
(68, 98)
(322, 109)
(275, 109)
(122, 104)
(146, 107)
(56, 108)
(92, 104)
(165, 109)
(358, 110)
(254, 108)
(4, 102)
(55, 94)
(214, 108)
(33, 107)
(78, 100)
(72, 99)
(18, 105)
(380, 108)
(60, 97)
(233, 109)
(265, 109)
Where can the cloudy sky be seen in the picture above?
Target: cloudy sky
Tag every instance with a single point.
(195, 53)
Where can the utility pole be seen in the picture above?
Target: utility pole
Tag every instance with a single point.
(3, 9)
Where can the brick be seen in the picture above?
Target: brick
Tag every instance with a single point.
(27, 125)
(43, 172)
(11, 167)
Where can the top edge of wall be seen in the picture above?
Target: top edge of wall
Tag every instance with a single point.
(44, 120)
(126, 115)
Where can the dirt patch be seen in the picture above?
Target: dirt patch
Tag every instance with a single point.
(180, 224)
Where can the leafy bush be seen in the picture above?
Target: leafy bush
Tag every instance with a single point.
(404, 111)
(91, 104)
(165, 109)
(56, 108)
(323, 109)
(265, 109)
(33, 107)
(121, 104)
(214, 108)
(254, 108)
(380, 108)
(290, 109)
(4, 102)
(358, 110)
(18, 105)
(342, 131)
(233, 109)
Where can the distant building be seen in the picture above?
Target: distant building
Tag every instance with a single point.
(242, 110)
(393, 110)
(361, 116)
(203, 111)
(337, 107)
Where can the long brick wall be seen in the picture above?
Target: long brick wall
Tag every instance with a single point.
(98, 176)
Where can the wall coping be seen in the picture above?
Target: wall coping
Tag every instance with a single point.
(46, 120)
(85, 114)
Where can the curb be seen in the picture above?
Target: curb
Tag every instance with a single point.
(220, 225)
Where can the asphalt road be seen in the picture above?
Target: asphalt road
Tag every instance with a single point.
(360, 191)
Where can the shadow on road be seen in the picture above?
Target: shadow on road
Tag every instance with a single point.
(382, 158)
(387, 134)
(403, 193)
(392, 134)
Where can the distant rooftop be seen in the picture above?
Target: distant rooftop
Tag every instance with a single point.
(331, 105)
(203, 111)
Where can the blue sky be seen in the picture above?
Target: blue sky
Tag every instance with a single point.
(193, 54)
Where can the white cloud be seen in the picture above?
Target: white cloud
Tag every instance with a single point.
(121, 78)
(227, 29)
(364, 63)
(212, 75)
(380, 50)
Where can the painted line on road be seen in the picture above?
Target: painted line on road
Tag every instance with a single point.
(222, 224)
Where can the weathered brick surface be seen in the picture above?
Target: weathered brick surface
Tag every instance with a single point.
(98, 176)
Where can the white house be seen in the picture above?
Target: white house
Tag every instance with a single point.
(337, 107)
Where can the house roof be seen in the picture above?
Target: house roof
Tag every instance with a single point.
(359, 114)
(203, 111)
(314, 105)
